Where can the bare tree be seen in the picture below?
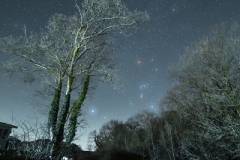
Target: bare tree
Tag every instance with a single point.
(211, 67)
(139, 135)
(68, 54)
(110, 136)
(143, 128)
(34, 139)
(207, 95)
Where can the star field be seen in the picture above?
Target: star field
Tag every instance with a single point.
(143, 55)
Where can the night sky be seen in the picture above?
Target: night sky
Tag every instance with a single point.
(144, 55)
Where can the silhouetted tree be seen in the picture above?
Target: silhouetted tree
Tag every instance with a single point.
(138, 135)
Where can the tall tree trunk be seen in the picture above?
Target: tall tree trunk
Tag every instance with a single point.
(59, 135)
(72, 126)
(62, 118)
(53, 113)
